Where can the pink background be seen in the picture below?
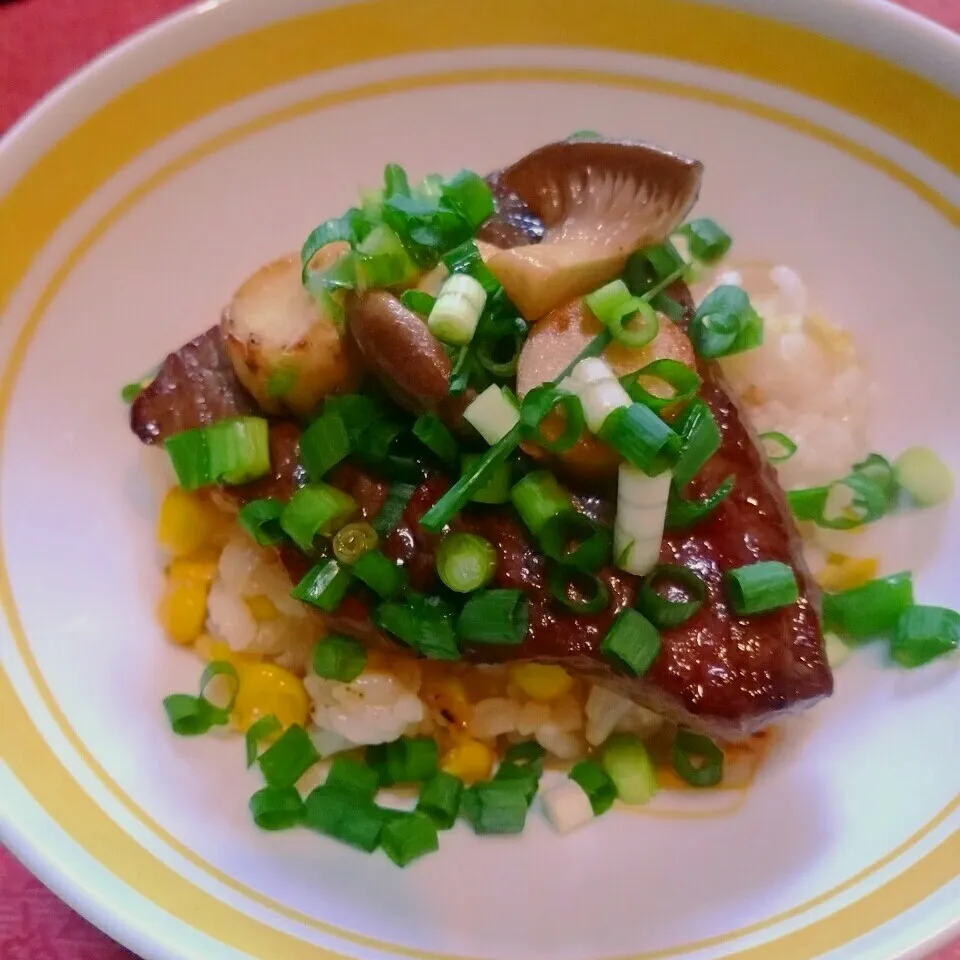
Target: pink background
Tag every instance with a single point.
(41, 42)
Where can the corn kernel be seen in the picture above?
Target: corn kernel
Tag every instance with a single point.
(183, 610)
(266, 688)
(186, 522)
(197, 567)
(261, 608)
(469, 760)
(845, 573)
(541, 681)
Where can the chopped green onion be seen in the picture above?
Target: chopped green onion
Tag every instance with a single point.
(131, 391)
(725, 323)
(324, 444)
(529, 752)
(456, 313)
(313, 510)
(497, 806)
(837, 651)
(685, 595)
(424, 623)
(577, 590)
(585, 135)
(573, 538)
(843, 505)
(697, 759)
(538, 404)
(537, 498)
(494, 616)
(469, 195)
(466, 259)
(418, 302)
(761, 586)
(398, 496)
(465, 562)
(706, 241)
(493, 414)
(682, 381)
(685, 513)
(407, 837)
(440, 799)
(380, 574)
(497, 487)
(259, 730)
(351, 775)
(599, 391)
(642, 438)
(431, 432)
(635, 324)
(870, 610)
(338, 813)
(347, 228)
(638, 525)
(231, 451)
(406, 760)
(189, 716)
(382, 262)
(336, 657)
(281, 381)
(596, 784)
(700, 438)
(288, 758)
(356, 410)
(354, 540)
(777, 446)
(213, 670)
(924, 476)
(924, 633)
(524, 776)
(878, 469)
(607, 301)
(499, 355)
(277, 808)
(632, 642)
(424, 228)
(627, 763)
(395, 181)
(261, 519)
(324, 586)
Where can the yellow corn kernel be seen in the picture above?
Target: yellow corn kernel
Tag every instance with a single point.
(186, 522)
(469, 760)
(197, 567)
(266, 688)
(845, 573)
(183, 610)
(541, 681)
(261, 608)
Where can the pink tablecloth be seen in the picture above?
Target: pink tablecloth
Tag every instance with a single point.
(41, 42)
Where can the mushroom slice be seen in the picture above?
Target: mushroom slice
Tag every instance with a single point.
(287, 351)
(598, 201)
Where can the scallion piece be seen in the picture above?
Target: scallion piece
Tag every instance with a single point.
(440, 799)
(382, 261)
(357, 411)
(324, 444)
(607, 301)
(642, 438)
(635, 324)
(431, 432)
(406, 760)
(528, 752)
(227, 673)
(398, 496)
(407, 837)
(419, 302)
(339, 814)
(871, 610)
(923, 475)
(572, 538)
(277, 808)
(395, 181)
(314, 510)
(261, 519)
(189, 716)
(324, 586)
(671, 595)
(596, 784)
(288, 758)
(351, 775)
(725, 323)
(577, 590)
(537, 498)
(538, 405)
(681, 380)
(336, 657)
(456, 313)
(496, 489)
(924, 633)
(347, 228)
(525, 776)
(497, 806)
(494, 616)
(700, 441)
(760, 587)
(354, 540)
(465, 562)
(632, 643)
(469, 195)
(697, 759)
(683, 513)
(851, 502)
(281, 381)
(499, 355)
(259, 730)
(424, 623)
(466, 259)
(494, 415)
(627, 763)
(777, 446)
(380, 574)
(239, 449)
(706, 241)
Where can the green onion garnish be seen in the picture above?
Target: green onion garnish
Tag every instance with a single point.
(189, 716)
(431, 432)
(354, 540)
(697, 759)
(465, 562)
(351, 775)
(725, 323)
(706, 241)
(324, 586)
(424, 623)
(497, 806)
(398, 496)
(528, 752)
(525, 776)
(538, 404)
(682, 381)
(777, 446)
(642, 438)
(281, 381)
(131, 391)
(324, 444)
(418, 302)
(357, 411)
(380, 574)
(573, 538)
(466, 259)
(627, 763)
(537, 498)
(632, 643)
(231, 451)
(407, 837)
(277, 808)
(630, 320)
(924, 633)
(700, 441)
(494, 616)
(347, 228)
(336, 657)
(870, 610)
(670, 595)
(761, 586)
(683, 513)
(407, 760)
(596, 784)
(340, 814)
(259, 730)
(313, 510)
(848, 503)
(468, 194)
(497, 487)
(395, 181)
(440, 799)
(499, 355)
(288, 758)
(261, 519)
(577, 590)
(921, 473)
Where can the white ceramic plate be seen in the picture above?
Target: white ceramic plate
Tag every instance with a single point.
(139, 195)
